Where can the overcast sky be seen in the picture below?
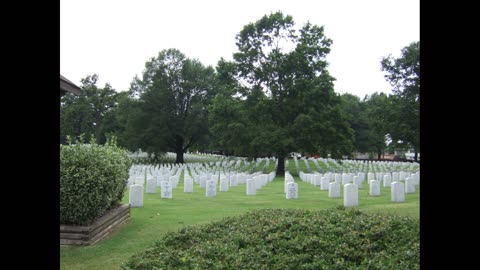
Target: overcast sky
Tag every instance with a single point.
(114, 38)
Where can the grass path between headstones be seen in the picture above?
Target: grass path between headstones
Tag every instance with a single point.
(158, 216)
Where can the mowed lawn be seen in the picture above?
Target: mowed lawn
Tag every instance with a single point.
(158, 216)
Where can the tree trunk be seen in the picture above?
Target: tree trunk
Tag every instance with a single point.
(179, 149)
(281, 167)
(379, 154)
(415, 156)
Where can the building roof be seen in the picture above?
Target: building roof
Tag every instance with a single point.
(68, 86)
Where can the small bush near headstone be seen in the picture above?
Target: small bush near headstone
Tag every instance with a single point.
(289, 239)
(93, 179)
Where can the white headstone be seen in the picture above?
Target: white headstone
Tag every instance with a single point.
(166, 190)
(324, 184)
(139, 180)
(251, 190)
(317, 180)
(258, 182)
(350, 197)
(292, 190)
(151, 185)
(374, 188)
(357, 181)
(345, 179)
(233, 180)
(287, 180)
(135, 198)
(395, 177)
(334, 190)
(387, 181)
(211, 188)
(409, 185)
(338, 178)
(203, 181)
(187, 184)
(223, 184)
(398, 192)
(371, 176)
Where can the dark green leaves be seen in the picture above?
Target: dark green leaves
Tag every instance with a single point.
(289, 239)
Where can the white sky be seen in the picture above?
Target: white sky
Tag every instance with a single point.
(114, 38)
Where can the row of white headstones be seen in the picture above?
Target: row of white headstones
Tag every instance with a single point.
(399, 182)
(167, 177)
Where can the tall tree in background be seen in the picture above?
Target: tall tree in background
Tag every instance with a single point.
(403, 73)
(287, 89)
(86, 112)
(227, 114)
(356, 113)
(170, 113)
(380, 113)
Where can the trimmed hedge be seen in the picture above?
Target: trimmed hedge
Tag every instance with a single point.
(93, 179)
(289, 239)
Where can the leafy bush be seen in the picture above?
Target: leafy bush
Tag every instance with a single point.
(93, 179)
(289, 239)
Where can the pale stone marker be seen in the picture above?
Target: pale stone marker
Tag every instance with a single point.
(292, 190)
(287, 180)
(371, 176)
(187, 185)
(211, 188)
(395, 177)
(409, 185)
(139, 180)
(135, 198)
(166, 190)
(334, 190)
(324, 183)
(223, 184)
(345, 179)
(374, 188)
(398, 192)
(350, 197)
(233, 180)
(258, 181)
(317, 180)
(387, 181)
(357, 181)
(338, 178)
(151, 185)
(251, 190)
(203, 181)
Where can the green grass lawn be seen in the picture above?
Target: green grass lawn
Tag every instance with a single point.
(158, 216)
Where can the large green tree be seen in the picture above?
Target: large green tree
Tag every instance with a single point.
(356, 114)
(403, 73)
(170, 110)
(85, 113)
(379, 111)
(287, 91)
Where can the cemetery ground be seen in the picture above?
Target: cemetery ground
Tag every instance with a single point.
(158, 216)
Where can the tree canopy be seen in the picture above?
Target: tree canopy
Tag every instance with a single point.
(86, 113)
(169, 106)
(286, 92)
(403, 73)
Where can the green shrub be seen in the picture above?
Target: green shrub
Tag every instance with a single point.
(93, 179)
(289, 239)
